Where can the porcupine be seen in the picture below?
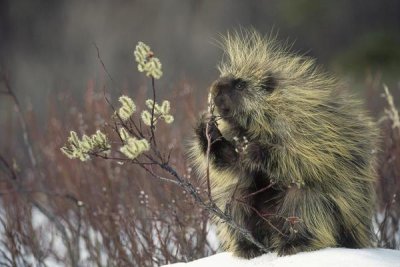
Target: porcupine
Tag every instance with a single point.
(292, 152)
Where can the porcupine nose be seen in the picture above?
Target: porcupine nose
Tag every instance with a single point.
(221, 89)
(222, 103)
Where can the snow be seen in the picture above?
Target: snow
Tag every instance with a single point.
(329, 257)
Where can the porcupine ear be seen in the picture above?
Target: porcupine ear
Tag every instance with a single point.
(269, 83)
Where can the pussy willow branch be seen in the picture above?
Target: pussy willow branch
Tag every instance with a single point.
(152, 126)
(135, 131)
(139, 132)
(210, 206)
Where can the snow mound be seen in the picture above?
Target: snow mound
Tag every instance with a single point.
(328, 257)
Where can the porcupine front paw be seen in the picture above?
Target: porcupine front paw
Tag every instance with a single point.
(201, 131)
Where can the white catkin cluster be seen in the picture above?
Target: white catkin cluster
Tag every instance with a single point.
(133, 147)
(147, 62)
(80, 149)
(160, 112)
(127, 109)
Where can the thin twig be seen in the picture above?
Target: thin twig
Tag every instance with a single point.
(208, 135)
(21, 119)
(152, 137)
(159, 177)
(228, 205)
(259, 191)
(263, 216)
(105, 68)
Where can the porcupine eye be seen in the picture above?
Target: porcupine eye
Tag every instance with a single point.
(240, 84)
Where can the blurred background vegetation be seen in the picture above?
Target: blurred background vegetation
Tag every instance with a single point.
(49, 58)
(47, 46)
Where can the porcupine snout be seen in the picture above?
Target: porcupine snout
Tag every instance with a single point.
(221, 89)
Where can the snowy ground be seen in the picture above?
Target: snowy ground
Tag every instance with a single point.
(330, 257)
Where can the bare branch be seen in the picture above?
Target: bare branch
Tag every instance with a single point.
(21, 119)
(105, 69)
(208, 159)
(152, 137)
